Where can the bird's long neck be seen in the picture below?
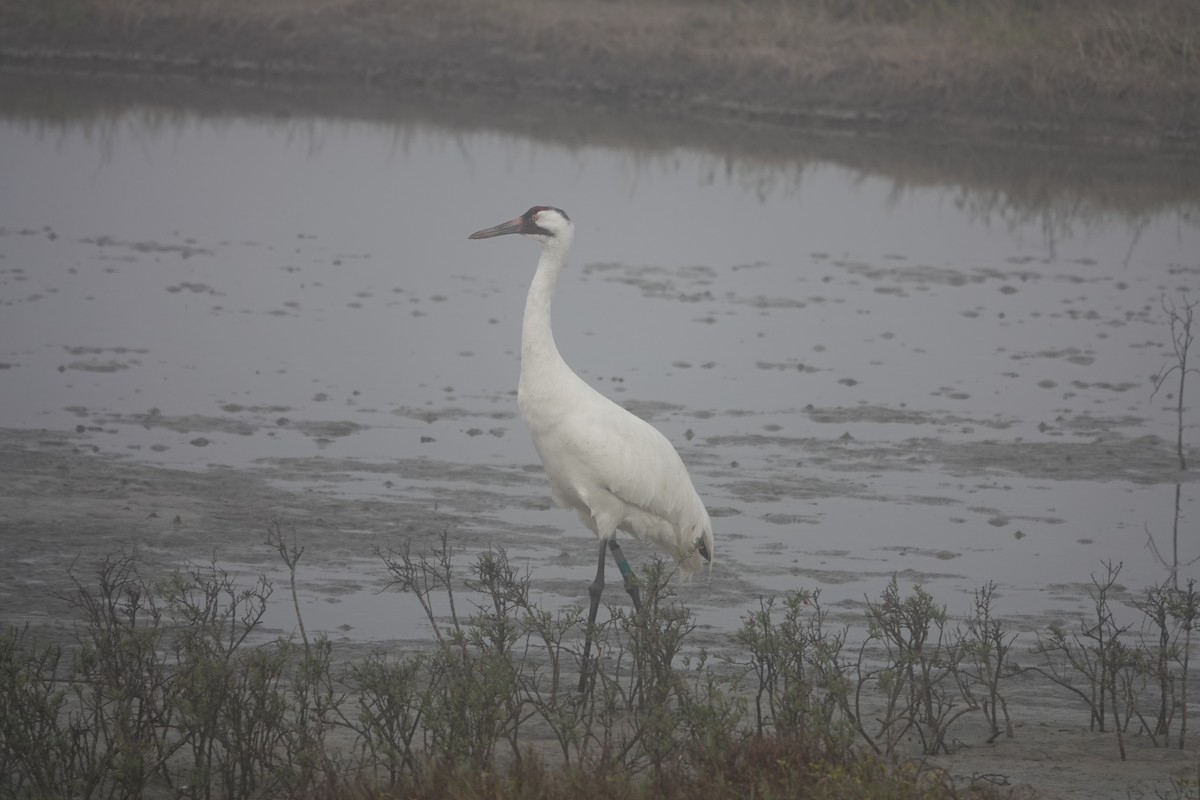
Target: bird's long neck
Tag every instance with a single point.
(539, 354)
(546, 382)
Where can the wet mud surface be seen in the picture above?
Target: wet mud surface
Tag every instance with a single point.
(66, 506)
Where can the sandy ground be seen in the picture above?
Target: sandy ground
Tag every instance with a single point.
(55, 488)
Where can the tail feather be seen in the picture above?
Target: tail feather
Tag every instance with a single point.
(698, 555)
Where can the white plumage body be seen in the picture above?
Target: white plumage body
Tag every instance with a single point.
(613, 468)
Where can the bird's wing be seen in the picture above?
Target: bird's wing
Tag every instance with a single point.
(601, 449)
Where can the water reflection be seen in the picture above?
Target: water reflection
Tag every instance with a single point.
(1063, 192)
(876, 355)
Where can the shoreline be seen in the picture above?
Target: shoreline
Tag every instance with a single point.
(922, 77)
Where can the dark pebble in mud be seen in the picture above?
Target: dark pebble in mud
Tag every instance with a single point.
(327, 430)
(95, 365)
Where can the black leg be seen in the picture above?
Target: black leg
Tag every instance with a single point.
(626, 573)
(594, 590)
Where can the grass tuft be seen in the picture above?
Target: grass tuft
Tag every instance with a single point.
(170, 689)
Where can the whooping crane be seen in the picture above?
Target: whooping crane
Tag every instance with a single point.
(615, 469)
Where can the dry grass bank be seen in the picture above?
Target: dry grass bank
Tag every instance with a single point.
(1105, 69)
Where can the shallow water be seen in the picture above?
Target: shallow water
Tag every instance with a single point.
(876, 357)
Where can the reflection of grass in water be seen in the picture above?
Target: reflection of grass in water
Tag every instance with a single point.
(1060, 191)
(1057, 189)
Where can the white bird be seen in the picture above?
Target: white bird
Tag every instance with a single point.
(615, 469)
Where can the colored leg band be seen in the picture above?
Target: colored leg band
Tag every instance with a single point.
(626, 570)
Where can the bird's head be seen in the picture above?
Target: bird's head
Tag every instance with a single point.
(544, 224)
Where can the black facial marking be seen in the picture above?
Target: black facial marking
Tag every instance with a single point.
(529, 225)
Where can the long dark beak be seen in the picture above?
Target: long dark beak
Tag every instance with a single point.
(512, 226)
